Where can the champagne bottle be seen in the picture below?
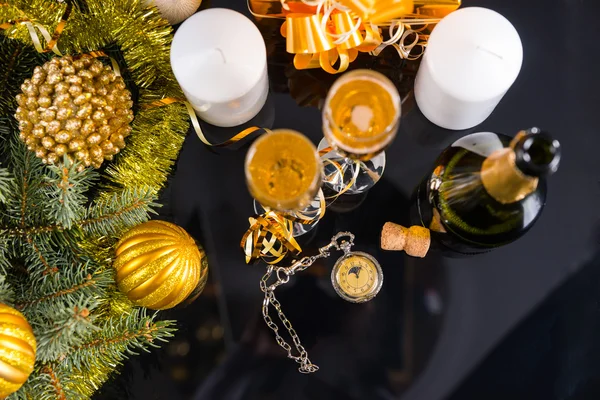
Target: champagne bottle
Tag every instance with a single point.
(486, 190)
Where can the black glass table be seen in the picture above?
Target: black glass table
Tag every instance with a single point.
(436, 318)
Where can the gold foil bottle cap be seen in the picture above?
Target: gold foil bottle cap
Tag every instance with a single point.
(511, 174)
(414, 241)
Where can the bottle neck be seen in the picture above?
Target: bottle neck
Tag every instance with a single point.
(511, 174)
(503, 180)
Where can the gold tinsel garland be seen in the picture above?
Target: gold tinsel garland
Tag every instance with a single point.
(143, 39)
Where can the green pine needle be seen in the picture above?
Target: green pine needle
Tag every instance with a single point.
(67, 192)
(120, 211)
(5, 184)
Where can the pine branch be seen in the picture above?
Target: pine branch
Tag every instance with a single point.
(88, 282)
(7, 294)
(33, 231)
(47, 267)
(16, 64)
(7, 127)
(57, 387)
(4, 248)
(42, 258)
(63, 328)
(117, 338)
(53, 290)
(26, 202)
(47, 382)
(112, 215)
(66, 190)
(5, 184)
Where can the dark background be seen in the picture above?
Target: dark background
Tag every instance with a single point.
(519, 322)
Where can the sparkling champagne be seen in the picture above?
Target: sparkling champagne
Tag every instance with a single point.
(486, 190)
(283, 170)
(361, 114)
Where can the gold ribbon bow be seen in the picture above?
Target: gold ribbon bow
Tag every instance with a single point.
(321, 32)
(314, 47)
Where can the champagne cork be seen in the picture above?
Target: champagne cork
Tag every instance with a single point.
(414, 241)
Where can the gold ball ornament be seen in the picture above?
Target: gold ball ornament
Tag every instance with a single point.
(159, 265)
(17, 350)
(67, 102)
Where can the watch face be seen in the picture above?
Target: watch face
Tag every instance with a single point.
(357, 277)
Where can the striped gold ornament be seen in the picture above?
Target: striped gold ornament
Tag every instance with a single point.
(159, 265)
(17, 350)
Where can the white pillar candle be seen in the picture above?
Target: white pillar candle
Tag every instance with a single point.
(220, 61)
(473, 57)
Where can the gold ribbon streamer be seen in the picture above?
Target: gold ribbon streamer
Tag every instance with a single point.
(51, 40)
(196, 123)
(271, 234)
(235, 139)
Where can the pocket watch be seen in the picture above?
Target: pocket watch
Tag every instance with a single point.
(357, 277)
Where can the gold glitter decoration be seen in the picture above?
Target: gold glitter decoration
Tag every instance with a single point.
(17, 350)
(79, 103)
(158, 265)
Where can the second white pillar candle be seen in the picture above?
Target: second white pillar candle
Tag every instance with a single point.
(472, 58)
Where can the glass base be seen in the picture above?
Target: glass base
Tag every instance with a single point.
(341, 172)
(312, 211)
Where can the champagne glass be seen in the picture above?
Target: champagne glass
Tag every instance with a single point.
(283, 173)
(360, 119)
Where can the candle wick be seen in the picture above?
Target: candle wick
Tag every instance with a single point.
(490, 52)
(222, 55)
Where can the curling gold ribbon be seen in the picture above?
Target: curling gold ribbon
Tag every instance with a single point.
(51, 40)
(196, 124)
(399, 35)
(270, 237)
(339, 173)
(271, 234)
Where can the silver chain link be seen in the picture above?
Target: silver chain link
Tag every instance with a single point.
(283, 276)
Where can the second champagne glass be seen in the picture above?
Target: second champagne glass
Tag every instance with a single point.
(361, 116)
(283, 173)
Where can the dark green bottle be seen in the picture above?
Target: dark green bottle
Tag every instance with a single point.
(487, 189)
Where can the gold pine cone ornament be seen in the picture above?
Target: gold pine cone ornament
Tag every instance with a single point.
(74, 107)
(159, 265)
(17, 350)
